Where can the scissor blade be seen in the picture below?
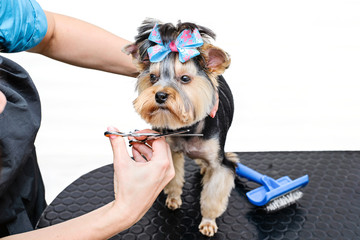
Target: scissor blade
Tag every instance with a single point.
(188, 135)
(173, 133)
(181, 133)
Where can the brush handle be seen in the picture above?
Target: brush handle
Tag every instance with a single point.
(252, 175)
(249, 173)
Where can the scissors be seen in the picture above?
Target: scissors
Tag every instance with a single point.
(151, 136)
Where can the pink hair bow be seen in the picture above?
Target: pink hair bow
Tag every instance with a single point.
(186, 44)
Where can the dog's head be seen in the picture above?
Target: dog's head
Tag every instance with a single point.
(178, 67)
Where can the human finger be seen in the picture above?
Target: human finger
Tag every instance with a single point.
(118, 145)
(142, 149)
(141, 138)
(163, 157)
(161, 149)
(138, 157)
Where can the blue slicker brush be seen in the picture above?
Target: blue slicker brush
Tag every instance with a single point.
(273, 195)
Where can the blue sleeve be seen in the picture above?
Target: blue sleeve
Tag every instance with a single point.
(23, 25)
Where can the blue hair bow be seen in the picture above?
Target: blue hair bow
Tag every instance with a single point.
(186, 44)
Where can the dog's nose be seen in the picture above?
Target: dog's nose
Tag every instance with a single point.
(161, 97)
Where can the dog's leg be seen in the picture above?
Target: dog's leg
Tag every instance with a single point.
(202, 165)
(217, 185)
(174, 187)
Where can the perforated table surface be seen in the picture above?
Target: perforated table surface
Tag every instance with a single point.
(329, 209)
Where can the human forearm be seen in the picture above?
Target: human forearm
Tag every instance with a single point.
(82, 44)
(101, 223)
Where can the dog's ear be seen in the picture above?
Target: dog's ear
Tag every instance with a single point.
(217, 60)
(133, 49)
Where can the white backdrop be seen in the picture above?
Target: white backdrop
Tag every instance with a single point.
(295, 77)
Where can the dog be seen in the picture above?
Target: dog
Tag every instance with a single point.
(179, 87)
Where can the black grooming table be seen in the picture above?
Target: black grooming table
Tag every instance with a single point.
(330, 208)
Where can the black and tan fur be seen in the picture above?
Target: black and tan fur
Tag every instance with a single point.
(175, 95)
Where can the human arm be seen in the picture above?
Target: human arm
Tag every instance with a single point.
(137, 185)
(79, 43)
(24, 25)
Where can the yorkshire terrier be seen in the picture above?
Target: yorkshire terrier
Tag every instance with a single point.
(180, 86)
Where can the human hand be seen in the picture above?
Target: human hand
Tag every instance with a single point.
(138, 182)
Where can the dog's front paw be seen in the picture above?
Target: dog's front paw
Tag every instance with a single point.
(208, 227)
(173, 202)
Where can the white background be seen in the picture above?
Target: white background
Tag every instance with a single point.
(295, 77)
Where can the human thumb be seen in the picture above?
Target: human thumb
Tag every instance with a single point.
(117, 144)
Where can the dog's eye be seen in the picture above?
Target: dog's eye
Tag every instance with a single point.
(153, 78)
(185, 79)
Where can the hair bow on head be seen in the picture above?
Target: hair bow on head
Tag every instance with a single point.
(186, 44)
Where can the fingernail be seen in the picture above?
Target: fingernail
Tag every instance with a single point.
(110, 128)
(110, 135)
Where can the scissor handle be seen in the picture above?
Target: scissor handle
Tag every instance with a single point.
(108, 133)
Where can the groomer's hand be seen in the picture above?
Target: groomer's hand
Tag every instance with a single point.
(138, 183)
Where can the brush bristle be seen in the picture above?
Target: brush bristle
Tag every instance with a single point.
(283, 201)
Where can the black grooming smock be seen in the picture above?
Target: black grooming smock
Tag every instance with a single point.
(22, 195)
